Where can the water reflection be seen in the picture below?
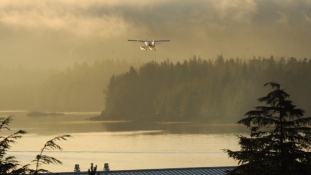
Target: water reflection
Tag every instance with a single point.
(174, 128)
(76, 122)
(125, 145)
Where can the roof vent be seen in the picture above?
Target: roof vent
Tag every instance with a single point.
(77, 168)
(106, 167)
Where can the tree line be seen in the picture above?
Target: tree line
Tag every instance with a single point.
(214, 91)
(18, 86)
(78, 88)
(75, 88)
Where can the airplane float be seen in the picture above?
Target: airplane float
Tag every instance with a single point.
(148, 43)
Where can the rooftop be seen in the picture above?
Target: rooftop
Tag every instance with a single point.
(170, 171)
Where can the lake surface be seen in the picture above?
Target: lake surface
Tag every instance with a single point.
(123, 145)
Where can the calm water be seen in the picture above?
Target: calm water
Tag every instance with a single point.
(123, 145)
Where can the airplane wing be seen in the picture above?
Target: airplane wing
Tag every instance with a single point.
(159, 41)
(136, 40)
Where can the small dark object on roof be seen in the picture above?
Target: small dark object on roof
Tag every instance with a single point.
(169, 171)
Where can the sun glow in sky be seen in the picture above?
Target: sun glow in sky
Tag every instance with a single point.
(60, 32)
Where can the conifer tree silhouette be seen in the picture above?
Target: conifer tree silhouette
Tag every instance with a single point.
(280, 138)
(10, 166)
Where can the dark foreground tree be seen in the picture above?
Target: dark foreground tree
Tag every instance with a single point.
(280, 138)
(10, 166)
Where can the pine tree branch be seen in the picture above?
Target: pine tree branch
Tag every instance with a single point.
(44, 159)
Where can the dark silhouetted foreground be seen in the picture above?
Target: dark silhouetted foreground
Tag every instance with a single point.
(280, 138)
(10, 166)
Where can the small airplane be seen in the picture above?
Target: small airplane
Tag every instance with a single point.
(148, 43)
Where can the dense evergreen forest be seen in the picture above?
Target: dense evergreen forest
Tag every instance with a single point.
(76, 88)
(214, 91)
(79, 88)
(18, 86)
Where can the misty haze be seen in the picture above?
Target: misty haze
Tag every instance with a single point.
(66, 67)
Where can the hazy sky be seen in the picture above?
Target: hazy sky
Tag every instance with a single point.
(59, 32)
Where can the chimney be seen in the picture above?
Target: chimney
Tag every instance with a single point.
(106, 167)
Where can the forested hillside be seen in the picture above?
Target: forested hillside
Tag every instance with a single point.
(218, 91)
(79, 88)
(18, 86)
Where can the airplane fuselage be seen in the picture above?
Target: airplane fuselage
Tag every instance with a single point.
(148, 44)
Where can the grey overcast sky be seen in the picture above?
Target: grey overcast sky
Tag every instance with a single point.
(52, 33)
